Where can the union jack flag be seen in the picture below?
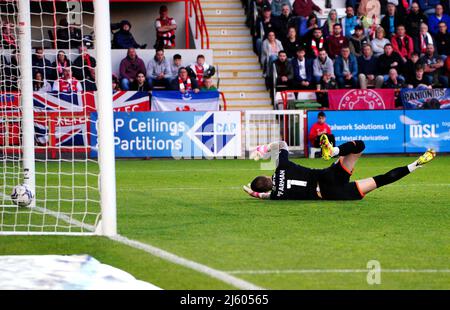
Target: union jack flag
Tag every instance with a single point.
(131, 101)
(64, 102)
(72, 131)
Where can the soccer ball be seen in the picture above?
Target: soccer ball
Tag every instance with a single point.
(22, 195)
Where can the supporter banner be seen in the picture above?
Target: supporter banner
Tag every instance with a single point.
(9, 101)
(189, 101)
(415, 99)
(63, 102)
(381, 131)
(131, 101)
(361, 99)
(69, 131)
(173, 134)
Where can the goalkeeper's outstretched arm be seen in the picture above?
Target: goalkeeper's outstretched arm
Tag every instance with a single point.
(264, 151)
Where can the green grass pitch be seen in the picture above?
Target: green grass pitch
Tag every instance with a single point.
(197, 209)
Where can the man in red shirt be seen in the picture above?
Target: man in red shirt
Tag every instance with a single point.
(305, 8)
(402, 43)
(319, 128)
(336, 42)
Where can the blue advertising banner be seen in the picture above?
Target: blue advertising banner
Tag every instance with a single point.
(381, 131)
(416, 98)
(174, 134)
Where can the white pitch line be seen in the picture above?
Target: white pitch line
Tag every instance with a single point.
(305, 271)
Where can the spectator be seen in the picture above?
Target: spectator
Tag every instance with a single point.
(402, 43)
(336, 42)
(428, 6)
(390, 59)
(409, 68)
(307, 27)
(184, 83)
(304, 8)
(314, 44)
(40, 84)
(84, 69)
(422, 40)
(123, 39)
(8, 40)
(208, 85)
(328, 26)
(433, 67)
(267, 24)
(357, 41)
(391, 20)
(41, 64)
(129, 67)
(303, 70)
(140, 83)
(447, 67)
(320, 128)
(165, 29)
(284, 21)
(115, 84)
(379, 42)
(326, 82)
(277, 7)
(393, 81)
(200, 69)
(442, 39)
(346, 69)
(68, 36)
(158, 70)
(322, 64)
(291, 43)
(270, 49)
(438, 17)
(67, 83)
(370, 9)
(350, 21)
(176, 65)
(414, 19)
(59, 65)
(418, 80)
(284, 70)
(367, 65)
(14, 72)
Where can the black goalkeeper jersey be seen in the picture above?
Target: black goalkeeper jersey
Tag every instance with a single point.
(292, 181)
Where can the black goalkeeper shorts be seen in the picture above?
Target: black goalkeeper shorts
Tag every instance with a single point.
(335, 184)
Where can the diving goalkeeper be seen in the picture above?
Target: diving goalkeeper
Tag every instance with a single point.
(294, 182)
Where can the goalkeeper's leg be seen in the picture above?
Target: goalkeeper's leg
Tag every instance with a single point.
(349, 152)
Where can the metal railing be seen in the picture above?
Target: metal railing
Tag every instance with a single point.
(200, 25)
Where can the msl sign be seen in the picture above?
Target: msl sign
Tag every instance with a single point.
(392, 131)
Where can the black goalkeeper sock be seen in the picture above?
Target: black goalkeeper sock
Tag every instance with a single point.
(352, 147)
(392, 176)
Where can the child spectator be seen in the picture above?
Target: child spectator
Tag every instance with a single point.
(129, 67)
(346, 69)
(115, 84)
(409, 68)
(418, 80)
(123, 39)
(176, 65)
(67, 83)
(320, 128)
(208, 85)
(200, 69)
(158, 70)
(165, 29)
(140, 83)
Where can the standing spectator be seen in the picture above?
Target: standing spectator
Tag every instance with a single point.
(414, 19)
(438, 17)
(393, 81)
(208, 85)
(284, 70)
(320, 128)
(270, 48)
(391, 20)
(8, 40)
(379, 42)
(314, 44)
(291, 43)
(129, 67)
(336, 42)
(349, 22)
(328, 26)
(443, 40)
(278, 5)
(40, 84)
(303, 70)
(346, 69)
(433, 67)
(304, 8)
(140, 83)
(307, 27)
(176, 64)
(367, 65)
(123, 39)
(428, 6)
(267, 24)
(67, 83)
(322, 64)
(158, 70)
(422, 40)
(284, 21)
(84, 69)
(390, 59)
(115, 83)
(200, 69)
(165, 29)
(68, 36)
(418, 80)
(41, 64)
(357, 41)
(184, 83)
(402, 43)
(59, 65)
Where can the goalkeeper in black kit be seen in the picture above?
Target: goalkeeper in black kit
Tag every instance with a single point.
(294, 182)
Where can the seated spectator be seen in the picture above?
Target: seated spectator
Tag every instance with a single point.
(68, 36)
(291, 43)
(123, 39)
(165, 29)
(418, 80)
(303, 71)
(200, 69)
(442, 39)
(320, 128)
(349, 22)
(393, 81)
(326, 82)
(428, 6)
(336, 42)
(158, 70)
(84, 69)
(59, 65)
(315, 43)
(409, 68)
(368, 69)
(389, 60)
(436, 18)
(391, 20)
(346, 69)
(285, 21)
(433, 67)
(278, 5)
(67, 83)
(414, 19)
(304, 8)
(328, 26)
(402, 43)
(307, 26)
(267, 24)
(115, 84)
(140, 83)
(421, 41)
(129, 67)
(379, 42)
(270, 48)
(322, 64)
(284, 70)
(357, 41)
(184, 83)
(40, 84)
(208, 84)
(8, 40)
(176, 64)
(41, 64)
